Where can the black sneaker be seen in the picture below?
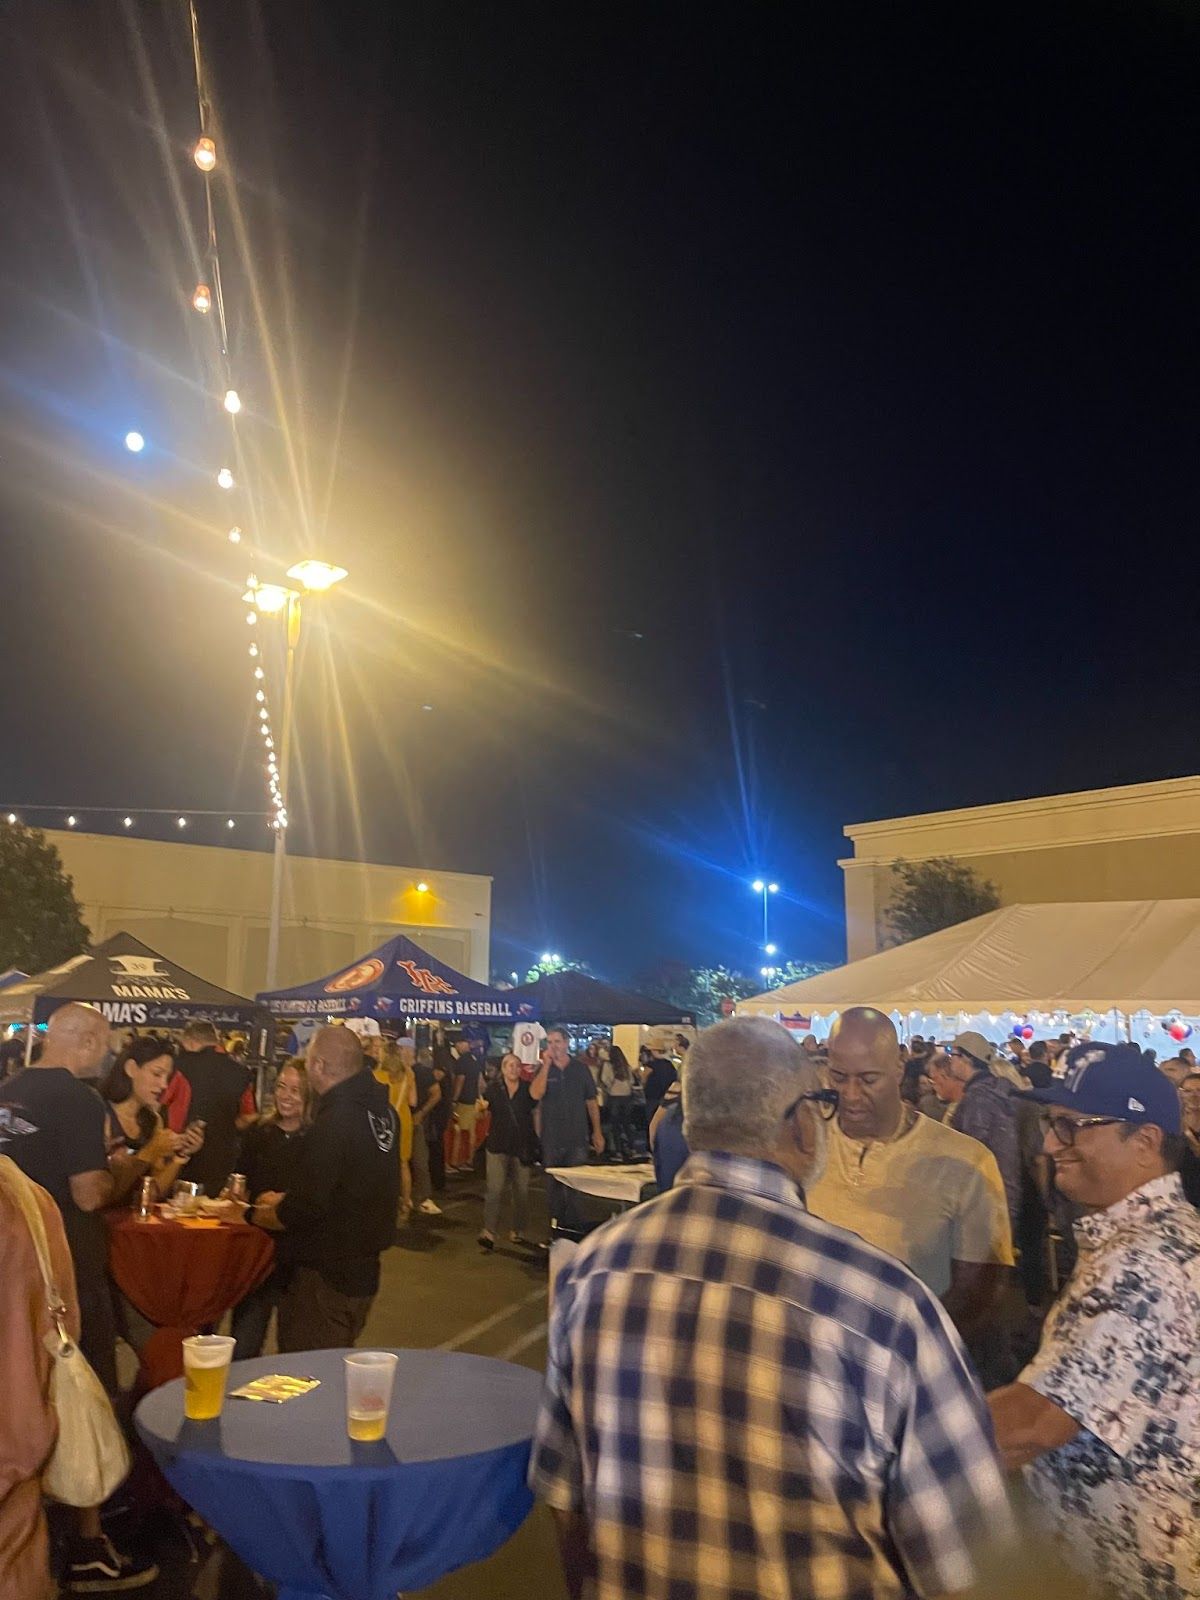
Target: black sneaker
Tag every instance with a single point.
(97, 1568)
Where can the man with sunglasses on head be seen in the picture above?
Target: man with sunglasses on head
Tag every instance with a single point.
(742, 1400)
(1106, 1418)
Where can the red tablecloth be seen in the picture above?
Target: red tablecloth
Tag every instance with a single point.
(182, 1279)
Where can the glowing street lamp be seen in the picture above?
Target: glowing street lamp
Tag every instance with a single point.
(317, 576)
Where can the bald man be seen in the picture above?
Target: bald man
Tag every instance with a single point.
(340, 1213)
(928, 1195)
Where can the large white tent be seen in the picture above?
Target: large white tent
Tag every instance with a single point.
(1118, 968)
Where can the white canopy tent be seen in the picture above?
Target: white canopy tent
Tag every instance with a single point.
(1111, 969)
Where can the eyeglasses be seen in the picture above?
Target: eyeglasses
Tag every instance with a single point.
(1064, 1129)
(825, 1100)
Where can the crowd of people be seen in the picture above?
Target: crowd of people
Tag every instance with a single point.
(798, 1370)
(878, 1278)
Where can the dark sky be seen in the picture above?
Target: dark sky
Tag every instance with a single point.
(845, 353)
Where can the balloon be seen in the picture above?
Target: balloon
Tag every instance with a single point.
(1179, 1029)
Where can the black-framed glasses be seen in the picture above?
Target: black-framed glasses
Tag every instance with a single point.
(825, 1100)
(1064, 1129)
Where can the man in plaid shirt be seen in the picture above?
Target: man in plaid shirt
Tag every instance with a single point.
(744, 1402)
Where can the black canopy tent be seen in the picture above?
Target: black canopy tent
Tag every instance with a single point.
(134, 986)
(574, 997)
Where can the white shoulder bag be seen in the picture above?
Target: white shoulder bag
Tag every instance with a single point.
(90, 1458)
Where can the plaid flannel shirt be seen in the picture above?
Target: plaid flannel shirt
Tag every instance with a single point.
(748, 1403)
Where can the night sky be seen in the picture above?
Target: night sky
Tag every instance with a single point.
(738, 421)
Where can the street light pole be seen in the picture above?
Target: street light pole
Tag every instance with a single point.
(762, 887)
(314, 577)
(294, 613)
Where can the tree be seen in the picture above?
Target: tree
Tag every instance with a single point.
(543, 969)
(710, 992)
(934, 894)
(40, 920)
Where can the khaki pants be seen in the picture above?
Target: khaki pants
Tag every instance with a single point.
(313, 1316)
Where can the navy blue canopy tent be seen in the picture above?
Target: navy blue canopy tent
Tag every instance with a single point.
(570, 996)
(397, 980)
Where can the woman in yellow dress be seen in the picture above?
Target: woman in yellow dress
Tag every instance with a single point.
(394, 1069)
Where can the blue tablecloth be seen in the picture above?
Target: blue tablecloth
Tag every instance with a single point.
(303, 1505)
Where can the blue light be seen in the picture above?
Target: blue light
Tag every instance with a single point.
(134, 442)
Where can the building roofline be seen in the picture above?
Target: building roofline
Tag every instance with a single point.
(1079, 800)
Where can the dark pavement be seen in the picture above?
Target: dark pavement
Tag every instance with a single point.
(439, 1290)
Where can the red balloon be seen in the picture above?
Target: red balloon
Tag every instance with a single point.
(1179, 1030)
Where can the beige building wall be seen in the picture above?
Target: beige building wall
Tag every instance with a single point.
(1139, 842)
(208, 908)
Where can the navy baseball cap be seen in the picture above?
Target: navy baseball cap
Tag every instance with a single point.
(1114, 1080)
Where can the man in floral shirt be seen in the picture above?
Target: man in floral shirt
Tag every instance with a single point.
(1106, 1417)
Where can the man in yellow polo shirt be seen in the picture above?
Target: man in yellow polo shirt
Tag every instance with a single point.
(923, 1192)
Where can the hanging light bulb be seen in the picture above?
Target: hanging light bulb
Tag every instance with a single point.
(12, 817)
(205, 155)
(253, 649)
(129, 822)
(181, 822)
(235, 536)
(260, 696)
(258, 672)
(202, 299)
(71, 821)
(231, 823)
(252, 617)
(232, 402)
(225, 478)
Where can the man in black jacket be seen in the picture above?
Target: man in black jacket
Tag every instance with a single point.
(218, 1094)
(340, 1212)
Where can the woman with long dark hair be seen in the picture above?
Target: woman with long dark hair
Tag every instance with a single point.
(617, 1078)
(133, 1088)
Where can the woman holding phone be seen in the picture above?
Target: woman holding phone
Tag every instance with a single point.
(134, 1087)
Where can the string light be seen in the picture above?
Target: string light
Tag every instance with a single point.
(12, 817)
(71, 821)
(231, 823)
(261, 599)
(181, 822)
(128, 822)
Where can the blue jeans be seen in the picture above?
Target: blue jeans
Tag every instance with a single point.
(252, 1317)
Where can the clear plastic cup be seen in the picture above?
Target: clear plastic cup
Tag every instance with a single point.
(206, 1359)
(369, 1378)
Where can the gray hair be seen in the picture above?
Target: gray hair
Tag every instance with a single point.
(739, 1080)
(338, 1048)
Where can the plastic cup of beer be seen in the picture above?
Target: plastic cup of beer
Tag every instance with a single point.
(206, 1361)
(369, 1377)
